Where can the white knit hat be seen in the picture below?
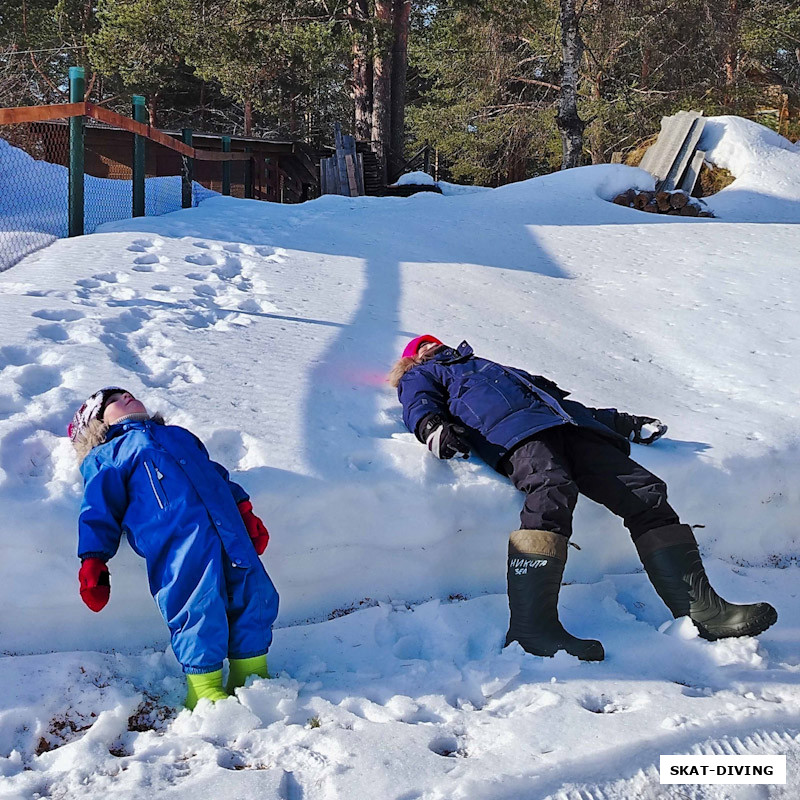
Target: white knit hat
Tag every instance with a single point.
(92, 409)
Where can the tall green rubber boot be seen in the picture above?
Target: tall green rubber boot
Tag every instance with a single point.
(536, 561)
(673, 564)
(243, 668)
(206, 684)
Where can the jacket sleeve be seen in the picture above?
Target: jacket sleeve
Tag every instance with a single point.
(420, 395)
(545, 384)
(238, 492)
(618, 421)
(105, 500)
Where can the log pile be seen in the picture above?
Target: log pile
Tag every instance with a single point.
(677, 203)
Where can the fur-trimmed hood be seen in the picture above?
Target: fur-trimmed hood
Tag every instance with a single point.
(96, 433)
(400, 367)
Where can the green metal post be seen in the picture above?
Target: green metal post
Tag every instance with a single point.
(248, 175)
(226, 167)
(77, 89)
(139, 115)
(187, 171)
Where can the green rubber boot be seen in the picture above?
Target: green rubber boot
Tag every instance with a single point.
(243, 668)
(206, 684)
(673, 564)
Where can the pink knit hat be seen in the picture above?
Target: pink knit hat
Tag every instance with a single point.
(414, 344)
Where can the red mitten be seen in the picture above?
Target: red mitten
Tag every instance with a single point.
(255, 527)
(95, 583)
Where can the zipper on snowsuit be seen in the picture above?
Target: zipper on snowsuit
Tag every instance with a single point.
(160, 502)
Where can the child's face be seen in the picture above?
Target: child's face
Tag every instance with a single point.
(426, 349)
(120, 404)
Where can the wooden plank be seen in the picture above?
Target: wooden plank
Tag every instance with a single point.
(325, 167)
(11, 116)
(334, 185)
(333, 175)
(216, 155)
(351, 175)
(324, 186)
(154, 134)
(692, 173)
(118, 121)
(360, 174)
(344, 186)
(349, 144)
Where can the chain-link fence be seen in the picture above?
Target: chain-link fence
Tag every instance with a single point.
(67, 169)
(35, 181)
(33, 188)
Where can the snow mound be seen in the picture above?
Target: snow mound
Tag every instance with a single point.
(766, 167)
(418, 178)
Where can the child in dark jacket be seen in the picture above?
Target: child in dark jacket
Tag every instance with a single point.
(554, 449)
(194, 527)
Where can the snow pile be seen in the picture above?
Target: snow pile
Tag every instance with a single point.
(766, 167)
(267, 330)
(33, 202)
(415, 179)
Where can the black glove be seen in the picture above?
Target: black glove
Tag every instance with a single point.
(647, 430)
(444, 439)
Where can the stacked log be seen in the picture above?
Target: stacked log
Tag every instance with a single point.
(676, 203)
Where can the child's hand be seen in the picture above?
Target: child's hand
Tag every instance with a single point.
(255, 527)
(95, 583)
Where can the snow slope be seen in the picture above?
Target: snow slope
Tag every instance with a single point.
(267, 330)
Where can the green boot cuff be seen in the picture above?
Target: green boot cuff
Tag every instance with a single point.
(206, 684)
(243, 668)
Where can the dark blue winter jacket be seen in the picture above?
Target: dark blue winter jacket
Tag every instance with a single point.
(501, 407)
(178, 508)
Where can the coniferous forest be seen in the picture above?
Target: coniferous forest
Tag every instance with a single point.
(499, 91)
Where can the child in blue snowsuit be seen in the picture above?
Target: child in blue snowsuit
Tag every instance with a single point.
(191, 523)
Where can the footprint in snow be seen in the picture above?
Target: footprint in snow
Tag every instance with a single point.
(200, 259)
(16, 356)
(54, 332)
(111, 277)
(59, 315)
(36, 379)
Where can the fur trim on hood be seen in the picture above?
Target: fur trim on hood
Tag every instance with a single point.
(401, 366)
(95, 434)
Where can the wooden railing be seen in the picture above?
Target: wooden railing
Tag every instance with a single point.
(11, 116)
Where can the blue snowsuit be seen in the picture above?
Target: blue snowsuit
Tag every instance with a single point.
(501, 406)
(157, 484)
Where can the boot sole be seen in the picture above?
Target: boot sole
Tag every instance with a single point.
(752, 628)
(594, 653)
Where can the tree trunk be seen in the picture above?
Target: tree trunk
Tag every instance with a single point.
(731, 53)
(362, 72)
(382, 83)
(152, 109)
(248, 117)
(402, 15)
(570, 125)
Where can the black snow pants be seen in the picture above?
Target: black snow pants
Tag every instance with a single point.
(561, 462)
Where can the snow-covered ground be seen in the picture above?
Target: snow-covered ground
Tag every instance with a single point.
(268, 330)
